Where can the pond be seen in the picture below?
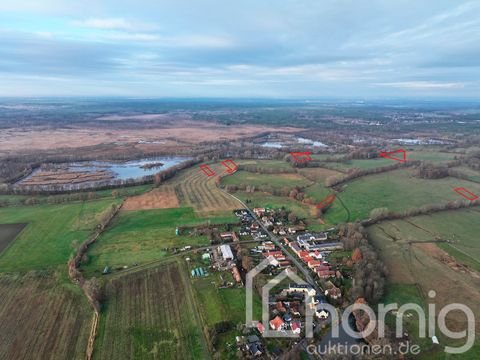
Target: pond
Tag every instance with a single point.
(89, 174)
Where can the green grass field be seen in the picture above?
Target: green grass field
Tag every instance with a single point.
(429, 156)
(460, 228)
(272, 180)
(143, 235)
(397, 190)
(18, 200)
(52, 231)
(266, 164)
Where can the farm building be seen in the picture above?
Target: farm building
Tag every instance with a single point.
(226, 252)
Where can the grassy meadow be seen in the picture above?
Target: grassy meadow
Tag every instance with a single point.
(397, 190)
(52, 233)
(143, 235)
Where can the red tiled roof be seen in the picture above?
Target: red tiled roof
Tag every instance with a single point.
(276, 323)
(260, 327)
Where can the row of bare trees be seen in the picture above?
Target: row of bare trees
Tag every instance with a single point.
(369, 271)
(91, 287)
(381, 214)
(356, 173)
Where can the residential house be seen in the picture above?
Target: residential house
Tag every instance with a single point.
(301, 288)
(277, 323)
(296, 327)
(295, 247)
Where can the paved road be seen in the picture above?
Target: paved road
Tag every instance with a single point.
(305, 271)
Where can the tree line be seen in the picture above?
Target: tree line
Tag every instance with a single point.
(382, 214)
(369, 272)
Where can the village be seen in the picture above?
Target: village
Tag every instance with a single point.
(262, 236)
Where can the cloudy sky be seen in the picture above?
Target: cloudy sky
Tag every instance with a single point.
(247, 48)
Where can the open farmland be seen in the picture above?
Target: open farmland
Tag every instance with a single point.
(160, 198)
(41, 319)
(151, 315)
(8, 233)
(265, 180)
(143, 235)
(197, 190)
(266, 165)
(52, 233)
(398, 190)
(426, 265)
(428, 156)
(317, 174)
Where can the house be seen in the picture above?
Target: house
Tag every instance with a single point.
(317, 255)
(244, 231)
(303, 253)
(331, 246)
(259, 211)
(295, 229)
(273, 262)
(322, 267)
(321, 313)
(228, 236)
(312, 264)
(255, 349)
(276, 254)
(260, 327)
(301, 288)
(334, 293)
(280, 308)
(268, 245)
(226, 252)
(277, 323)
(323, 274)
(305, 237)
(296, 328)
(295, 247)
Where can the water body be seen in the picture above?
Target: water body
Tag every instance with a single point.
(120, 170)
(129, 169)
(311, 142)
(275, 145)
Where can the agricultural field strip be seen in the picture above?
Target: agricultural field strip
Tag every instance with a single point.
(147, 298)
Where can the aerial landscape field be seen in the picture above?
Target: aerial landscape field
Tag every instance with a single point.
(239, 180)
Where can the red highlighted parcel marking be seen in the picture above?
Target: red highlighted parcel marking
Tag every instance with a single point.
(466, 193)
(230, 168)
(397, 155)
(302, 156)
(327, 201)
(206, 170)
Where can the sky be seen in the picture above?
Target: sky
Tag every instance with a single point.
(247, 48)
